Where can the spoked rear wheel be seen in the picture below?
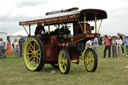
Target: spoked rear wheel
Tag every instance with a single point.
(90, 60)
(34, 54)
(64, 61)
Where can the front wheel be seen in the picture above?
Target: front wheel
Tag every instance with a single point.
(90, 60)
(34, 54)
(64, 61)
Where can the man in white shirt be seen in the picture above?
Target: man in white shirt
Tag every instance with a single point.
(95, 44)
(1, 42)
(16, 48)
(2, 48)
(119, 44)
(88, 44)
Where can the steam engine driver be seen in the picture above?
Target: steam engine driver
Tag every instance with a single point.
(39, 29)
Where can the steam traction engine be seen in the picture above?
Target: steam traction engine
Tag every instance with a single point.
(59, 47)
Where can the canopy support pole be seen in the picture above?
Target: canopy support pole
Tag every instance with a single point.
(29, 29)
(80, 26)
(95, 24)
(100, 25)
(48, 29)
(25, 29)
(58, 26)
(84, 24)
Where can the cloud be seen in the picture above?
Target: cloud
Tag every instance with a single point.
(29, 3)
(10, 27)
(116, 22)
(16, 10)
(10, 24)
(7, 18)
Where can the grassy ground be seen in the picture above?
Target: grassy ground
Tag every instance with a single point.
(110, 71)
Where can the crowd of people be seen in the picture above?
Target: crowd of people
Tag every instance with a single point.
(17, 47)
(114, 44)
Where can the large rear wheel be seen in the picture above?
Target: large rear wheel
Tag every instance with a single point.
(34, 54)
(64, 61)
(90, 60)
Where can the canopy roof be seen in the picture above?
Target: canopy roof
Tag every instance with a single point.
(67, 17)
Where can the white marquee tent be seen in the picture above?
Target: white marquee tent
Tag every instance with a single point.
(3, 35)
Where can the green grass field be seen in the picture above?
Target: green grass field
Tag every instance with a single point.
(110, 71)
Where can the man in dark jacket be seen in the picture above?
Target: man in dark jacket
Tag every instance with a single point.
(21, 41)
(39, 29)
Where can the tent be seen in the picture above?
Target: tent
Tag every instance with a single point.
(3, 35)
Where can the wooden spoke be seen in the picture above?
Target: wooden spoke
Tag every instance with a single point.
(34, 46)
(30, 58)
(31, 49)
(34, 60)
(29, 53)
(38, 50)
(64, 66)
(37, 57)
(31, 46)
(63, 56)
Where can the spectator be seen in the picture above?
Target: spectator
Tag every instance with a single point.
(38, 30)
(1, 43)
(2, 48)
(122, 46)
(126, 44)
(121, 37)
(16, 48)
(95, 44)
(107, 46)
(114, 44)
(8, 45)
(119, 44)
(21, 41)
(118, 34)
(88, 44)
(100, 41)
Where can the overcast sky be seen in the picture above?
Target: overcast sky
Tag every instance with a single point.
(13, 11)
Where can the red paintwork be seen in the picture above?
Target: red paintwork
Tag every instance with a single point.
(78, 38)
(48, 53)
(51, 54)
(54, 54)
